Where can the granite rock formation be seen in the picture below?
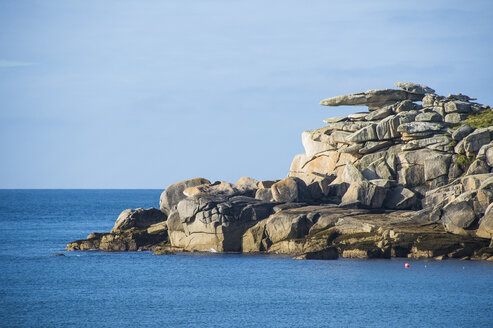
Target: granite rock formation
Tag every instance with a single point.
(406, 178)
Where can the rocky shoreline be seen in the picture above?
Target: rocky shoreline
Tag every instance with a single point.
(410, 177)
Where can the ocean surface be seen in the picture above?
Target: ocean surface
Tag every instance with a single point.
(94, 289)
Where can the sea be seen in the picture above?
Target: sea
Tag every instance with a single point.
(137, 289)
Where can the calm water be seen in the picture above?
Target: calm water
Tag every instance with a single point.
(95, 289)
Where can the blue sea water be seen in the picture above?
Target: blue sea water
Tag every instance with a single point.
(93, 289)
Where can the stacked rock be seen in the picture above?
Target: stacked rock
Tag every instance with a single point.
(390, 181)
(400, 145)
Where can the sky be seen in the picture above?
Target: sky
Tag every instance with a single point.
(143, 94)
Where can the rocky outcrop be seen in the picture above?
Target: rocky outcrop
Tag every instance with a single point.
(138, 218)
(407, 178)
(172, 195)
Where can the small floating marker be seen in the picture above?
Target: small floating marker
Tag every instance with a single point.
(406, 265)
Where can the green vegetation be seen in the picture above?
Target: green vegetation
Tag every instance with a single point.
(453, 143)
(464, 162)
(482, 119)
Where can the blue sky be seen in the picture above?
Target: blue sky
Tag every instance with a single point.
(142, 94)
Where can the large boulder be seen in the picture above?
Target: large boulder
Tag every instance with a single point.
(437, 166)
(364, 194)
(251, 183)
(264, 194)
(215, 222)
(280, 230)
(221, 189)
(288, 190)
(139, 218)
(462, 132)
(474, 141)
(459, 215)
(457, 107)
(174, 193)
(485, 229)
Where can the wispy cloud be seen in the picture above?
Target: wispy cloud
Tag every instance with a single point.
(14, 63)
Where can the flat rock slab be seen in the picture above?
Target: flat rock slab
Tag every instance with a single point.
(371, 98)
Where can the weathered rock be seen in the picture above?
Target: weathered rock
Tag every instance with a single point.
(459, 214)
(335, 119)
(411, 167)
(315, 142)
(221, 188)
(365, 134)
(404, 106)
(485, 229)
(489, 156)
(437, 139)
(481, 155)
(474, 182)
(214, 223)
(372, 98)
(419, 128)
(323, 164)
(373, 146)
(120, 241)
(462, 132)
(157, 227)
(432, 100)
(387, 128)
(266, 183)
(339, 137)
(351, 149)
(348, 126)
(364, 193)
(350, 174)
(478, 167)
(379, 114)
(249, 182)
(288, 190)
(429, 117)
(457, 107)
(485, 195)
(174, 193)
(264, 194)
(437, 166)
(320, 188)
(138, 218)
(378, 170)
(414, 87)
(287, 225)
(455, 117)
(400, 198)
(474, 141)
(359, 116)
(298, 162)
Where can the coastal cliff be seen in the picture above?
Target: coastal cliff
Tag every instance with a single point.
(410, 177)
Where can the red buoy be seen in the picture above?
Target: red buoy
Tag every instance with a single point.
(406, 265)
